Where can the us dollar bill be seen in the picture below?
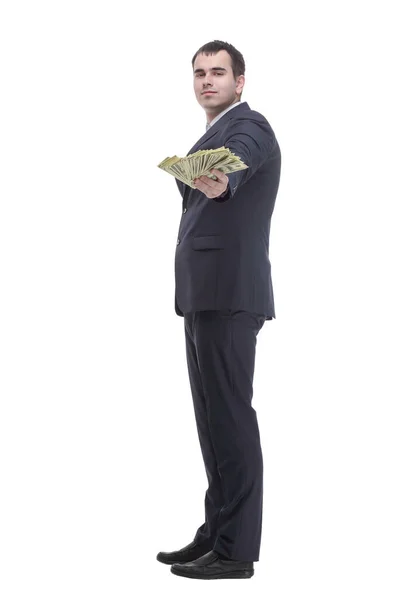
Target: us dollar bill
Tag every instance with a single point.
(192, 166)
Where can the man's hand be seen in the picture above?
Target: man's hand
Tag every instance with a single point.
(212, 188)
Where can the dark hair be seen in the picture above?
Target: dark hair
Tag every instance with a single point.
(237, 60)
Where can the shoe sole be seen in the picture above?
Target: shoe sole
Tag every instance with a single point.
(171, 562)
(244, 574)
(165, 561)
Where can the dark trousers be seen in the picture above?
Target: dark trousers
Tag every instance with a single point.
(220, 350)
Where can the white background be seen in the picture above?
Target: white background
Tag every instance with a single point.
(100, 461)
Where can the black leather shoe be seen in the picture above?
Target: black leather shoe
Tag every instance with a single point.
(186, 554)
(214, 566)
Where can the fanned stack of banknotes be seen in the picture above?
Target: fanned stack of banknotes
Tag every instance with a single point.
(192, 166)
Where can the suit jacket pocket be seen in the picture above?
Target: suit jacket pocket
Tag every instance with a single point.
(208, 242)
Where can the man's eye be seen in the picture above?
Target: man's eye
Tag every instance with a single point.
(201, 74)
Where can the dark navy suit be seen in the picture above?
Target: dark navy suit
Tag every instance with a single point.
(224, 292)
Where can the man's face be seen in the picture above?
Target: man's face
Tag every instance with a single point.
(214, 72)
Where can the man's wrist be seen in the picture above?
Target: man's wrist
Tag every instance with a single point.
(225, 192)
(224, 196)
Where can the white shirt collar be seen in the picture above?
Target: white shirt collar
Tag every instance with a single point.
(208, 125)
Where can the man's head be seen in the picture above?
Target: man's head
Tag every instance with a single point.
(219, 67)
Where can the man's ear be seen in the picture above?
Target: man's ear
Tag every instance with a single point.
(240, 81)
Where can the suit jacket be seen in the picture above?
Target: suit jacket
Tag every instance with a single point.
(222, 254)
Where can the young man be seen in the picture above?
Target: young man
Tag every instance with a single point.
(224, 292)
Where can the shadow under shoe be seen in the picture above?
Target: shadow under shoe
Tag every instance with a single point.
(190, 552)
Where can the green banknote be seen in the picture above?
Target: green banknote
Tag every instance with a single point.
(190, 167)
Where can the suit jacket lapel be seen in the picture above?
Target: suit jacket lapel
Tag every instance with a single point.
(184, 189)
(218, 125)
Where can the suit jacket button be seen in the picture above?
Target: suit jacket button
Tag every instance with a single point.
(178, 242)
(184, 210)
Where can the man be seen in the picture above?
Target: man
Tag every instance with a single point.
(224, 292)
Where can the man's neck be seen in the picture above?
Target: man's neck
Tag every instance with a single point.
(211, 116)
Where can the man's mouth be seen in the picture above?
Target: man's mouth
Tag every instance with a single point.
(208, 92)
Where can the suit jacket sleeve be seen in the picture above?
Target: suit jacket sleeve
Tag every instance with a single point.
(253, 141)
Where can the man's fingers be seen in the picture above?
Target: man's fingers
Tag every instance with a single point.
(220, 174)
(211, 187)
(214, 183)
